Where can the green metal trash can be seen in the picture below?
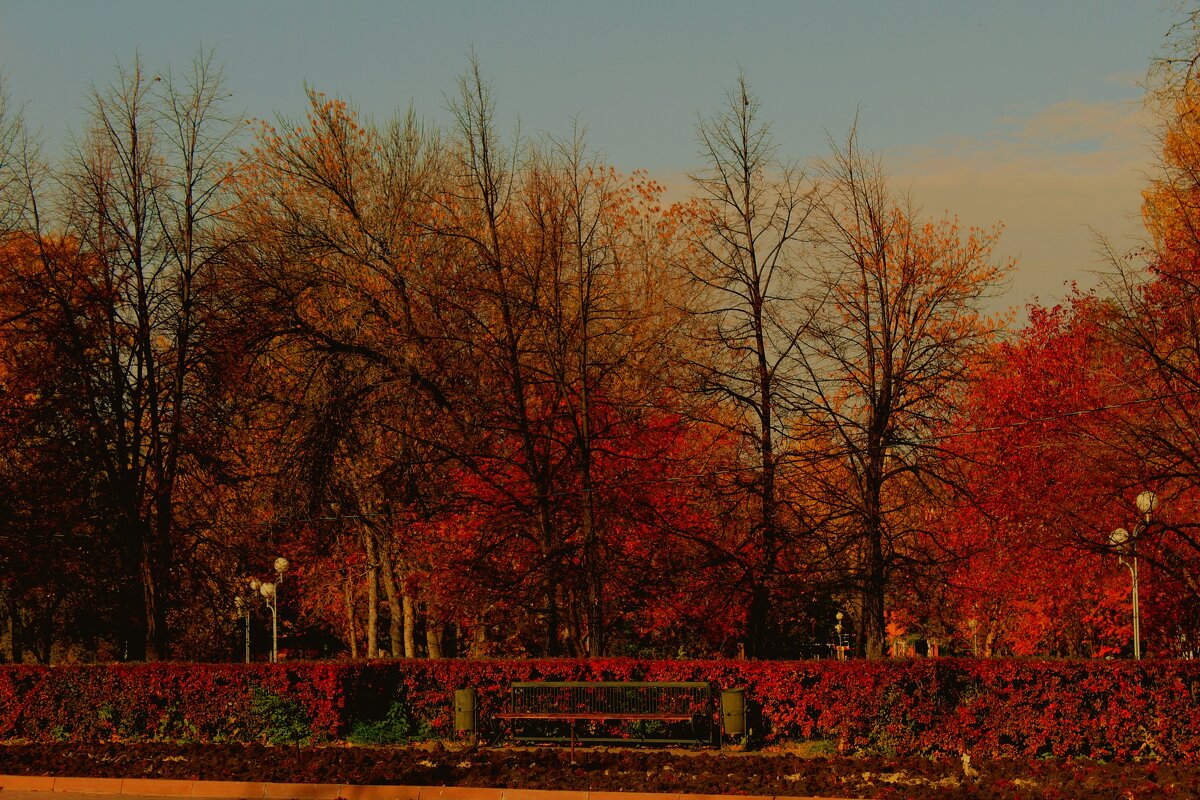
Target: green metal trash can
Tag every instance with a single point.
(464, 711)
(733, 711)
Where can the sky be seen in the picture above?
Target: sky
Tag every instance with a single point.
(1022, 113)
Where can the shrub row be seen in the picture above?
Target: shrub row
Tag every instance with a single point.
(1097, 709)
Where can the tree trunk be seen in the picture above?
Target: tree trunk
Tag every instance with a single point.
(16, 635)
(372, 596)
(551, 585)
(594, 567)
(410, 625)
(478, 640)
(756, 622)
(43, 642)
(351, 628)
(131, 599)
(155, 648)
(161, 555)
(434, 631)
(874, 625)
(396, 617)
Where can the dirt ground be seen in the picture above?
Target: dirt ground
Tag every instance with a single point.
(795, 770)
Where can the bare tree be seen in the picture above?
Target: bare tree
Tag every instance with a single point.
(17, 153)
(509, 285)
(122, 294)
(750, 225)
(893, 310)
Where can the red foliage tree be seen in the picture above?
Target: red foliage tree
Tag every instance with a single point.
(1037, 423)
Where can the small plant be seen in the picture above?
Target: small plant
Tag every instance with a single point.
(816, 748)
(107, 717)
(173, 725)
(647, 729)
(425, 732)
(394, 728)
(283, 720)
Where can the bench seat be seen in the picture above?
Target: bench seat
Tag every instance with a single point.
(609, 701)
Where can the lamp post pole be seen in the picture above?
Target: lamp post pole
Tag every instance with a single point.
(270, 593)
(1125, 543)
(244, 611)
(841, 648)
(281, 565)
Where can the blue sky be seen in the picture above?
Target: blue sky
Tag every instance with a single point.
(1024, 112)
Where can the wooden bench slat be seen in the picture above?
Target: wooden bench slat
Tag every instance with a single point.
(594, 715)
(700, 685)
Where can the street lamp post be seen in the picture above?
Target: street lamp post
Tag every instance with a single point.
(270, 593)
(841, 648)
(1125, 544)
(256, 588)
(244, 611)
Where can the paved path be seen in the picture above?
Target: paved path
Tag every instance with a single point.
(19, 787)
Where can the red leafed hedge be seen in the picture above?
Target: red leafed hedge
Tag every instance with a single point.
(1100, 709)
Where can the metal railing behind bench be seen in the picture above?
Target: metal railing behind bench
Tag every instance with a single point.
(670, 703)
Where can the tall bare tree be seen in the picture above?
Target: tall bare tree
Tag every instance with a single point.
(506, 284)
(893, 314)
(125, 249)
(750, 226)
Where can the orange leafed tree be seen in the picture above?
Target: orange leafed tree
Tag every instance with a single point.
(1156, 294)
(1046, 490)
(892, 316)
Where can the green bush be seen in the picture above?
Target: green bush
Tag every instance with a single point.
(394, 728)
(283, 721)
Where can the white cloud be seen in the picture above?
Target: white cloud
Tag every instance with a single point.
(1056, 180)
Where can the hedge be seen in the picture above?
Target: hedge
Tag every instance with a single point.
(1097, 709)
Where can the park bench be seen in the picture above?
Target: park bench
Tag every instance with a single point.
(599, 702)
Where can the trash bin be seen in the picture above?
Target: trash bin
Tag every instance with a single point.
(464, 711)
(733, 711)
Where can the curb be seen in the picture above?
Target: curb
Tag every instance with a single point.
(234, 790)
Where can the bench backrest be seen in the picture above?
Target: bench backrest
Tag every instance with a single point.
(612, 697)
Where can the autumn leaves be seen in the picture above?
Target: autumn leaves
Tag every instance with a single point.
(488, 395)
